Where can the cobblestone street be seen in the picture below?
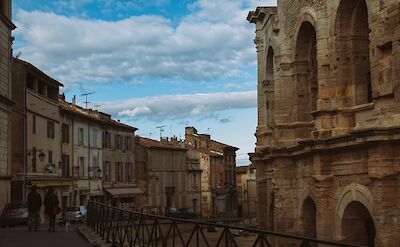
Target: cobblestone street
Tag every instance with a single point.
(21, 237)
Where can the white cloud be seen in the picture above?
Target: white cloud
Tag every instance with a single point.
(214, 41)
(182, 106)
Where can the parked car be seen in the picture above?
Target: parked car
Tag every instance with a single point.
(14, 213)
(172, 212)
(73, 215)
(187, 213)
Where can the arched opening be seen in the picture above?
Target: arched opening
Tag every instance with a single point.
(357, 225)
(309, 218)
(306, 72)
(270, 85)
(352, 49)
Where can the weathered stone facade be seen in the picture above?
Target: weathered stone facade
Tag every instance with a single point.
(6, 26)
(329, 119)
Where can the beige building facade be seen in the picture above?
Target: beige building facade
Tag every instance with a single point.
(98, 154)
(6, 26)
(218, 173)
(37, 134)
(329, 119)
(166, 176)
(247, 191)
(119, 169)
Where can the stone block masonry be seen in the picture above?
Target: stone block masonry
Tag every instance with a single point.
(329, 119)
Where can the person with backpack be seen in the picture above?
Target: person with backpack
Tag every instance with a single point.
(51, 208)
(34, 204)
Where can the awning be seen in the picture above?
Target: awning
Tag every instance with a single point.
(124, 192)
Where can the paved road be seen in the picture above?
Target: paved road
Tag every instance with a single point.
(21, 237)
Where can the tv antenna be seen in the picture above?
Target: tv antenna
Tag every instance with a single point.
(86, 98)
(161, 130)
(97, 107)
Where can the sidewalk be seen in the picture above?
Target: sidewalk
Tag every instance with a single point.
(21, 237)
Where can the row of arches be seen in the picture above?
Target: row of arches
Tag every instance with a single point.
(351, 71)
(357, 225)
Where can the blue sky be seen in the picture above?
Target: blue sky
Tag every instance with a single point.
(172, 63)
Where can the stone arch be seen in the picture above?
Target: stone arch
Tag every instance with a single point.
(306, 70)
(351, 31)
(353, 196)
(309, 218)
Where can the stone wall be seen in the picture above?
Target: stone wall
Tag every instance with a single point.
(328, 91)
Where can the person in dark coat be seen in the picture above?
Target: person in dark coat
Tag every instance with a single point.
(51, 203)
(34, 204)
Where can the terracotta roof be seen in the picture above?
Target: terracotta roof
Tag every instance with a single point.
(92, 115)
(150, 143)
(242, 169)
(219, 146)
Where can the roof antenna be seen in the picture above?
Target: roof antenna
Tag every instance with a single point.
(161, 130)
(86, 100)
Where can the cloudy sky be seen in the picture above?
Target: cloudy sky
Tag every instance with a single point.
(171, 63)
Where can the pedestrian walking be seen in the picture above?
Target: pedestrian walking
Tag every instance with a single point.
(34, 204)
(51, 208)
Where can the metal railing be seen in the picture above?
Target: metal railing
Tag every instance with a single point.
(129, 228)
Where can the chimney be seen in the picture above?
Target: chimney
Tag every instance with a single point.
(74, 100)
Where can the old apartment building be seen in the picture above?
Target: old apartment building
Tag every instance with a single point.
(36, 132)
(247, 191)
(6, 26)
(81, 151)
(329, 119)
(119, 169)
(167, 176)
(218, 173)
(97, 153)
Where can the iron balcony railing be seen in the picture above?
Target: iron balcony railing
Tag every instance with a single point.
(129, 228)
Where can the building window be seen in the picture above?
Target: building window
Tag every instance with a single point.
(30, 82)
(94, 134)
(33, 159)
(107, 171)
(95, 166)
(128, 143)
(118, 172)
(80, 136)
(42, 88)
(50, 129)
(106, 139)
(132, 172)
(65, 133)
(65, 165)
(82, 167)
(33, 124)
(118, 142)
(127, 172)
(50, 157)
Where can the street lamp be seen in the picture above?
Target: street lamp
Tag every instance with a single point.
(42, 156)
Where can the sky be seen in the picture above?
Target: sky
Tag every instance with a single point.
(151, 63)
